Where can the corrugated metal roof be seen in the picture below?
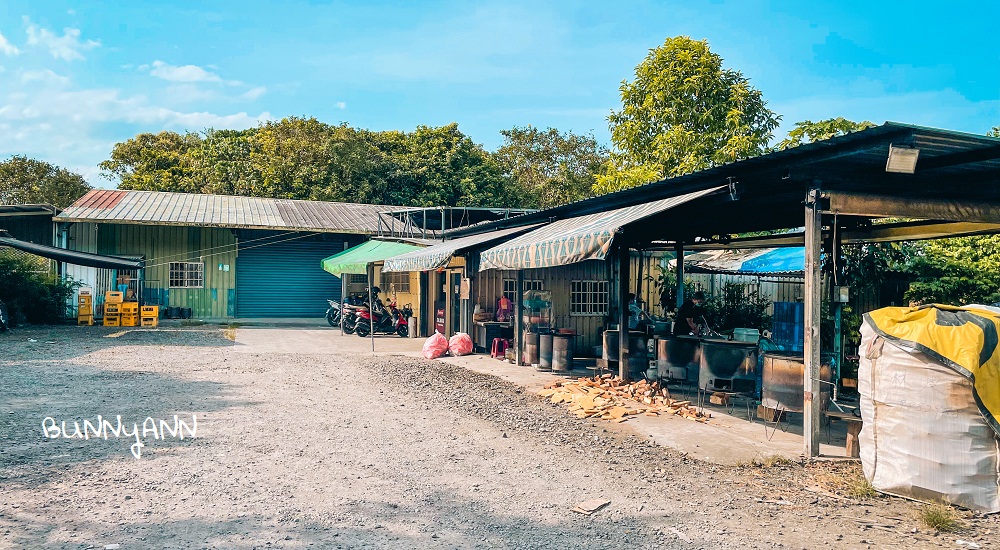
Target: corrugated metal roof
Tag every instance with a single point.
(160, 208)
(440, 255)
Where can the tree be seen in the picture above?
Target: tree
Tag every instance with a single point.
(550, 168)
(223, 163)
(154, 162)
(958, 271)
(684, 112)
(808, 131)
(994, 132)
(29, 181)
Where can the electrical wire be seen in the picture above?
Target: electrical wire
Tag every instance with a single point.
(188, 254)
(239, 248)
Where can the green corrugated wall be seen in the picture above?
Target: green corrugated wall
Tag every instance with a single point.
(163, 244)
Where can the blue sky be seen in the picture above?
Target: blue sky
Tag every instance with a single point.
(77, 77)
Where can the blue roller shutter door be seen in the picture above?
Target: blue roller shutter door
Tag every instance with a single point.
(284, 279)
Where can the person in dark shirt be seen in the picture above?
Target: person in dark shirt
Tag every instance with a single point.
(690, 315)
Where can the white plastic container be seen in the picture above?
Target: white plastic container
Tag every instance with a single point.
(746, 335)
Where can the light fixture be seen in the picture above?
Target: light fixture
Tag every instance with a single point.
(902, 160)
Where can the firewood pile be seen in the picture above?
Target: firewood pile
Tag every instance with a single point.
(610, 398)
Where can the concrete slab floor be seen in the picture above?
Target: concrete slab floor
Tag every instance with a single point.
(725, 439)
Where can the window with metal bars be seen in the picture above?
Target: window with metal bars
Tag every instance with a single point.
(588, 298)
(529, 284)
(399, 282)
(187, 275)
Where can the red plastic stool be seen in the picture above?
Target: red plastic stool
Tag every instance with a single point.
(499, 350)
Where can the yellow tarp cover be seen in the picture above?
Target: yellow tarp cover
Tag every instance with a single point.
(962, 338)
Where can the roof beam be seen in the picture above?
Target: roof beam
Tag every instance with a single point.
(885, 206)
(954, 159)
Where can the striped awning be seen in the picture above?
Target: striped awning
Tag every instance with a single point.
(355, 260)
(575, 239)
(439, 255)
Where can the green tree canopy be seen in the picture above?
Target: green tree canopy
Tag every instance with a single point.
(548, 167)
(808, 131)
(684, 112)
(959, 271)
(155, 162)
(29, 181)
(304, 158)
(994, 132)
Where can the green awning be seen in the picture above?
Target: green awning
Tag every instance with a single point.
(356, 260)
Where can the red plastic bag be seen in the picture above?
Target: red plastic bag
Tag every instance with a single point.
(460, 344)
(435, 346)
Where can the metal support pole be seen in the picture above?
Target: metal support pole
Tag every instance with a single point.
(371, 304)
(679, 251)
(623, 276)
(518, 316)
(343, 300)
(813, 297)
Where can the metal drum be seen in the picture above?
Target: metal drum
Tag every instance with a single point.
(638, 357)
(677, 358)
(562, 353)
(784, 379)
(530, 348)
(545, 351)
(728, 366)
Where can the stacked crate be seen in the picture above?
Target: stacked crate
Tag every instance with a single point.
(85, 309)
(130, 314)
(150, 316)
(113, 309)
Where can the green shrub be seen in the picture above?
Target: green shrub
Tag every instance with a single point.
(32, 295)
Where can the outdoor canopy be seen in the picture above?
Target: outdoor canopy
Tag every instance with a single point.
(767, 261)
(85, 259)
(439, 255)
(577, 239)
(355, 260)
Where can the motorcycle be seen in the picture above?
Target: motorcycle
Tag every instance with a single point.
(349, 315)
(333, 313)
(386, 320)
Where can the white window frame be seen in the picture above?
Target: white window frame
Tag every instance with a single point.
(396, 281)
(589, 298)
(182, 272)
(529, 284)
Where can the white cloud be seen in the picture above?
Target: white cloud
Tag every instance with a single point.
(181, 73)
(45, 76)
(7, 48)
(66, 47)
(341, 105)
(254, 93)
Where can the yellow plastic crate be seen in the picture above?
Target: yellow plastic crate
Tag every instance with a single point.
(150, 311)
(112, 321)
(87, 320)
(150, 321)
(85, 310)
(130, 320)
(113, 309)
(113, 298)
(129, 308)
(85, 300)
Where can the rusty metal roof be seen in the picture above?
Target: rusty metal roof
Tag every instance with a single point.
(190, 209)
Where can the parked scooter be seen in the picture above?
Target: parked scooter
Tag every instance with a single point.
(387, 320)
(333, 314)
(349, 315)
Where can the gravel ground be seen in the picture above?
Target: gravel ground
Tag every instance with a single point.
(299, 451)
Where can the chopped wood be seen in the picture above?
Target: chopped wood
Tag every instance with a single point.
(608, 397)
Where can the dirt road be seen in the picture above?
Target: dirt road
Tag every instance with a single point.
(298, 450)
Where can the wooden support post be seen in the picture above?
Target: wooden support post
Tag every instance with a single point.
(623, 312)
(813, 297)
(679, 251)
(518, 316)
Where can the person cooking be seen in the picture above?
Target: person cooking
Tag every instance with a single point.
(689, 315)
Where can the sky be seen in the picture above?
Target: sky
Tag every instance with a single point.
(77, 77)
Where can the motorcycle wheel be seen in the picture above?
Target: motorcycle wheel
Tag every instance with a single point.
(403, 331)
(348, 327)
(331, 318)
(362, 330)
